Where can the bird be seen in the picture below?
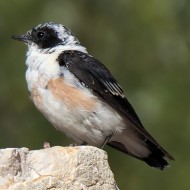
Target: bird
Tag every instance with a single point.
(80, 97)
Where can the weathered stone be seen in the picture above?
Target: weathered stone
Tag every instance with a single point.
(60, 168)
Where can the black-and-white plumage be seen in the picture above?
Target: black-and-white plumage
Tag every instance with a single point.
(81, 98)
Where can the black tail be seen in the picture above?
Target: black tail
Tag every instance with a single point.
(142, 148)
(158, 158)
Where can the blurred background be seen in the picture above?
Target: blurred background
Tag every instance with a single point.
(145, 44)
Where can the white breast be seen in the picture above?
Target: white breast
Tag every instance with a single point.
(91, 126)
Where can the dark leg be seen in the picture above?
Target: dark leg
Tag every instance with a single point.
(106, 141)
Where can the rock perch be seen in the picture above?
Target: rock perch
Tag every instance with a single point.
(56, 168)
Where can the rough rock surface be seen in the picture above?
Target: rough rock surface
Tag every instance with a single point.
(61, 168)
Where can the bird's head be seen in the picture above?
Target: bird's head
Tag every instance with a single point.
(49, 36)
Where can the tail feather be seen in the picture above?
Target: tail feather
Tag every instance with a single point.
(141, 148)
(159, 157)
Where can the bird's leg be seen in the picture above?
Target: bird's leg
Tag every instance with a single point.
(106, 141)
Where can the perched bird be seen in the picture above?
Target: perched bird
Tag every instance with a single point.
(81, 98)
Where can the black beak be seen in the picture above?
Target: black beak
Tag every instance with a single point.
(22, 38)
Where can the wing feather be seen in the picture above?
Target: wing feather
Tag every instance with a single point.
(97, 77)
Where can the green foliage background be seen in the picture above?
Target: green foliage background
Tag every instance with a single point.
(146, 45)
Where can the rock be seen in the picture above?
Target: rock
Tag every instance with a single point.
(60, 168)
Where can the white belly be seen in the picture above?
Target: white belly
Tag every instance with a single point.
(87, 126)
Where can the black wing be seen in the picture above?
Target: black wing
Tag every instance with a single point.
(97, 77)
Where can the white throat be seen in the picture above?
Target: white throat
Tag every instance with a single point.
(34, 52)
(42, 65)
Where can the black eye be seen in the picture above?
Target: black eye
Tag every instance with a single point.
(45, 37)
(40, 35)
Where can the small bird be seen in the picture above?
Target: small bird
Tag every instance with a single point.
(80, 97)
